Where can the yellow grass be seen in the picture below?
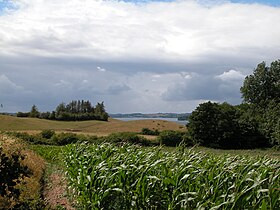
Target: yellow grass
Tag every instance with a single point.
(30, 187)
(9, 123)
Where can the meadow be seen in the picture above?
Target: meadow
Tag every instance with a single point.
(92, 127)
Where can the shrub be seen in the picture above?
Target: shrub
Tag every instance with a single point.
(171, 138)
(147, 131)
(33, 139)
(47, 134)
(23, 114)
(11, 174)
(127, 137)
(65, 138)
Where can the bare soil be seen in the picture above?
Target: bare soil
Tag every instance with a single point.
(55, 193)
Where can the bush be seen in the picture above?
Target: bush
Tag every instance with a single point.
(47, 134)
(23, 114)
(12, 173)
(33, 139)
(147, 131)
(65, 138)
(171, 138)
(127, 137)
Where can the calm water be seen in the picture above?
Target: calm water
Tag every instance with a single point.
(157, 118)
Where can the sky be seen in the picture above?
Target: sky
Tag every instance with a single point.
(136, 56)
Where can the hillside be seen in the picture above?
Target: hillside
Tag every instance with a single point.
(9, 123)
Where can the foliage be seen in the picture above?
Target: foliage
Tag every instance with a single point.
(81, 110)
(74, 111)
(65, 138)
(270, 123)
(171, 138)
(49, 137)
(262, 91)
(34, 112)
(126, 137)
(224, 126)
(127, 177)
(47, 134)
(23, 114)
(263, 85)
(11, 173)
(33, 139)
(147, 131)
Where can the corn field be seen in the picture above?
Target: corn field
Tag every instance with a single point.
(106, 176)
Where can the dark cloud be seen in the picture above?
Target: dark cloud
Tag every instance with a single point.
(224, 87)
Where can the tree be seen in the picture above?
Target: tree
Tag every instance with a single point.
(34, 112)
(263, 85)
(262, 91)
(212, 124)
(100, 111)
(224, 126)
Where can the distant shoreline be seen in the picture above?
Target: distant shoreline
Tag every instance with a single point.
(170, 119)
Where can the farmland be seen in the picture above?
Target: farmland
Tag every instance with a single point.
(118, 175)
(128, 177)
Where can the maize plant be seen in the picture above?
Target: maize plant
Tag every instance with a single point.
(107, 176)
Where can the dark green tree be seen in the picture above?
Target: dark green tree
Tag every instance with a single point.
(224, 126)
(100, 112)
(262, 91)
(263, 85)
(213, 125)
(34, 112)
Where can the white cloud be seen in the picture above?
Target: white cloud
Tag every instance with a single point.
(156, 57)
(182, 30)
(231, 75)
(100, 69)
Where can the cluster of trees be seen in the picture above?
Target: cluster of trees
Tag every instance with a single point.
(73, 111)
(253, 124)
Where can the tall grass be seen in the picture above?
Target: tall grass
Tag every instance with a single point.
(130, 177)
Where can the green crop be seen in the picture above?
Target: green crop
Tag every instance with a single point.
(129, 177)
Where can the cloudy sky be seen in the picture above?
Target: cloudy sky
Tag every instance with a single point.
(136, 56)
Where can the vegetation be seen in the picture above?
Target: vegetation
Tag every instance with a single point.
(261, 91)
(74, 111)
(147, 131)
(127, 177)
(224, 126)
(100, 128)
(126, 137)
(253, 124)
(11, 173)
(49, 137)
(174, 138)
(21, 173)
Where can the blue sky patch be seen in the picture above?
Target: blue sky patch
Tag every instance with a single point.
(266, 2)
(6, 5)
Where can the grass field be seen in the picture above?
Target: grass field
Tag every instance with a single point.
(9, 123)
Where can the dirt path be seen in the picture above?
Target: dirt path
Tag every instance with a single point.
(55, 193)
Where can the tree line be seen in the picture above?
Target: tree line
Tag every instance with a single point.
(253, 124)
(76, 110)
